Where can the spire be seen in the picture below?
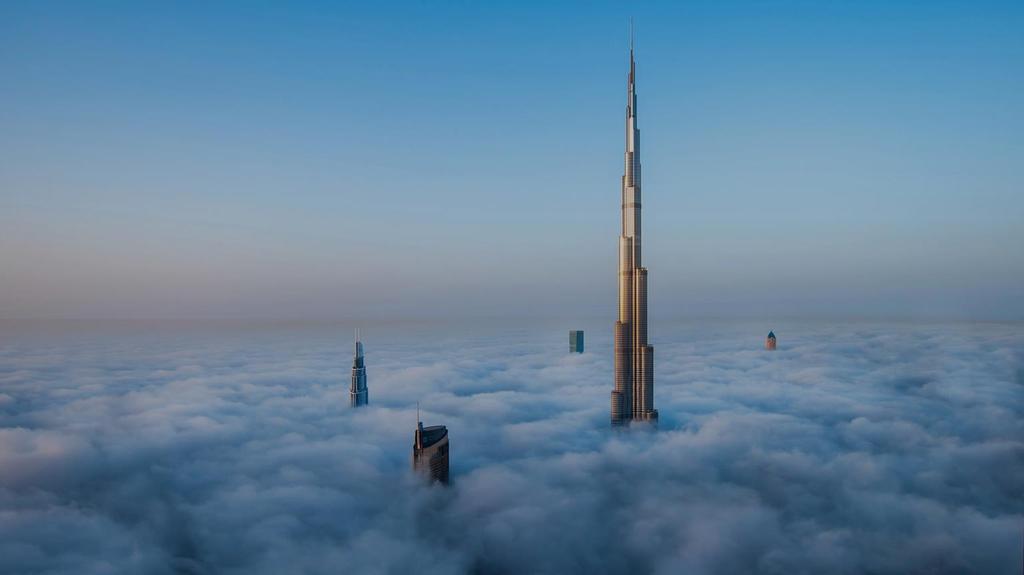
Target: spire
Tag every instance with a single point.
(632, 69)
(632, 46)
(632, 134)
(419, 428)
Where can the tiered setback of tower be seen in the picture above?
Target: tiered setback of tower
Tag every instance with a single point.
(633, 396)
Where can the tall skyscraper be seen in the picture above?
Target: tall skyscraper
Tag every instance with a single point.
(430, 451)
(576, 341)
(357, 392)
(769, 342)
(633, 396)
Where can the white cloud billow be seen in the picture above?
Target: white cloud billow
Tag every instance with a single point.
(853, 448)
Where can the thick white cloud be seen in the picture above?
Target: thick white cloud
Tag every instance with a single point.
(853, 448)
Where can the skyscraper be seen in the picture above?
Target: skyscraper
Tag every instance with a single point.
(430, 451)
(357, 392)
(769, 342)
(576, 341)
(633, 396)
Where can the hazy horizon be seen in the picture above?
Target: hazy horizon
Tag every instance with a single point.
(309, 160)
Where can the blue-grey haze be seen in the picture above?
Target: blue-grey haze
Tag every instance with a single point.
(230, 448)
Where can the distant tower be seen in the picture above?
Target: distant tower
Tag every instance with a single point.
(430, 451)
(770, 342)
(576, 341)
(357, 391)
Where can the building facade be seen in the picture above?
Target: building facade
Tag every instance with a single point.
(633, 396)
(576, 341)
(357, 391)
(430, 452)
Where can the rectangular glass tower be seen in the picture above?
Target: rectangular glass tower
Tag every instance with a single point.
(576, 341)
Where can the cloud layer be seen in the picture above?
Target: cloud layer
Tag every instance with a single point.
(230, 449)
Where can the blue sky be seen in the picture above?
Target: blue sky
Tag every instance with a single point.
(407, 159)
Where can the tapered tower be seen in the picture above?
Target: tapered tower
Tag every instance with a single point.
(633, 396)
(357, 392)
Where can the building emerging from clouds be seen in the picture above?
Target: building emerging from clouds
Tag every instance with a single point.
(633, 396)
(576, 341)
(769, 342)
(357, 391)
(430, 452)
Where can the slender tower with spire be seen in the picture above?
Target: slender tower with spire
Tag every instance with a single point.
(633, 396)
(357, 391)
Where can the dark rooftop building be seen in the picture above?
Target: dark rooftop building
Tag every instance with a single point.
(430, 452)
(770, 342)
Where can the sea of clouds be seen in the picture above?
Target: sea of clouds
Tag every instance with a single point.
(200, 449)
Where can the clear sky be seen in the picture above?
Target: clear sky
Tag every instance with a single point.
(323, 159)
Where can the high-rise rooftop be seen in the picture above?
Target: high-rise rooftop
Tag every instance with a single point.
(576, 341)
(430, 452)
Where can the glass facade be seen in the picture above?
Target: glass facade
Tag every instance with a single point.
(576, 341)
